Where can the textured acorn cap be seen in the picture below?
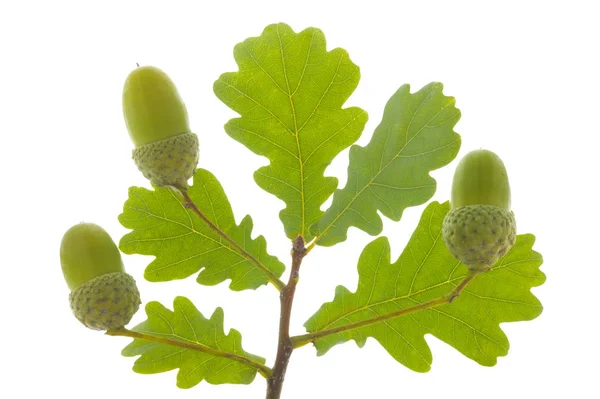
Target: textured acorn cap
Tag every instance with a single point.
(171, 161)
(479, 235)
(106, 302)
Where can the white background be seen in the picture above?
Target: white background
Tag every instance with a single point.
(525, 76)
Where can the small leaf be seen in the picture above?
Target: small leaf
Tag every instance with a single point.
(426, 271)
(185, 323)
(391, 173)
(183, 244)
(289, 92)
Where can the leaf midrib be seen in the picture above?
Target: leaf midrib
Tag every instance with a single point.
(297, 130)
(293, 109)
(182, 338)
(219, 243)
(410, 295)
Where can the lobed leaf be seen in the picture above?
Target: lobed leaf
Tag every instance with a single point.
(185, 323)
(425, 271)
(289, 91)
(391, 173)
(183, 244)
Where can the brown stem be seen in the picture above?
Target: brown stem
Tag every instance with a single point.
(189, 203)
(261, 368)
(285, 347)
(301, 340)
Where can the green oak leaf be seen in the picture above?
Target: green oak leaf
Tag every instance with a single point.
(424, 271)
(186, 324)
(289, 91)
(183, 244)
(391, 173)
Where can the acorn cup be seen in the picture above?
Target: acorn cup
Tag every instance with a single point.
(103, 296)
(480, 228)
(157, 120)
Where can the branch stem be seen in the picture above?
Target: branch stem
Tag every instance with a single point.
(285, 347)
(301, 340)
(263, 370)
(189, 203)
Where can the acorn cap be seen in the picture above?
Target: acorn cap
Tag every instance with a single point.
(106, 302)
(169, 162)
(479, 235)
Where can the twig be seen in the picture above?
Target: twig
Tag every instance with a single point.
(285, 347)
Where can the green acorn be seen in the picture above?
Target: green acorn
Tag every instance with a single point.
(157, 120)
(103, 296)
(480, 227)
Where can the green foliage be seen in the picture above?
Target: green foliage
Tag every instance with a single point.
(391, 173)
(185, 323)
(426, 271)
(289, 91)
(183, 244)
